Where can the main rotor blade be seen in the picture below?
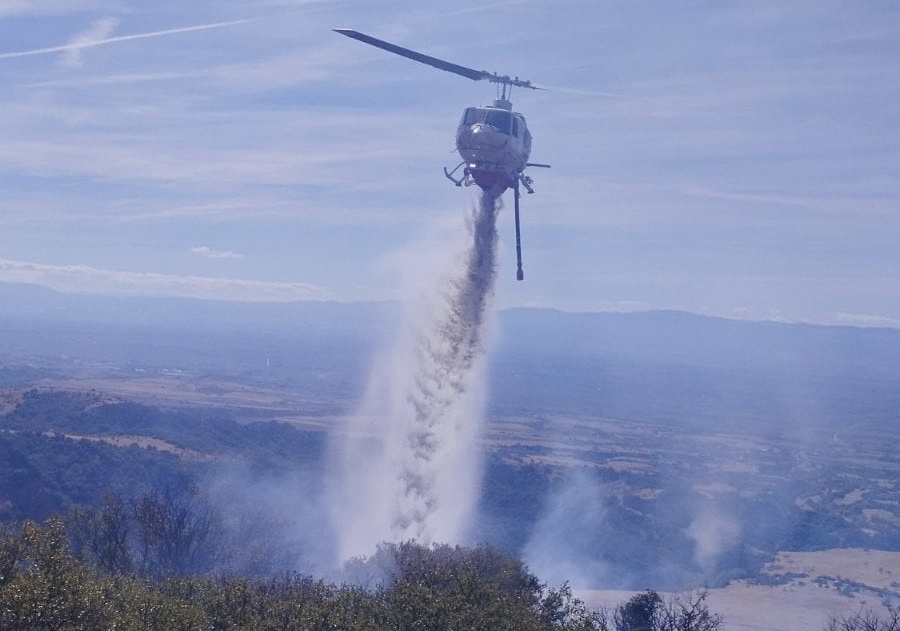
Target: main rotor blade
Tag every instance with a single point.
(411, 54)
(434, 62)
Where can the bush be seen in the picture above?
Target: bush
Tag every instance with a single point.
(45, 586)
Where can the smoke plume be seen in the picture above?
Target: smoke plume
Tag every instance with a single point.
(409, 464)
(562, 546)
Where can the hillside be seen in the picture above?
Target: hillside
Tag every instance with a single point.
(597, 502)
(621, 450)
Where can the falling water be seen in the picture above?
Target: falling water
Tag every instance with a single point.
(409, 468)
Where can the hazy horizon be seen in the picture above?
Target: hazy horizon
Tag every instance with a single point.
(838, 320)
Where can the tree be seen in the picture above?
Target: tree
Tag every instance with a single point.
(48, 588)
(866, 621)
(480, 588)
(178, 532)
(11, 548)
(649, 612)
(561, 610)
(643, 612)
(690, 613)
(103, 535)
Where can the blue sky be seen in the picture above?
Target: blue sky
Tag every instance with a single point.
(731, 158)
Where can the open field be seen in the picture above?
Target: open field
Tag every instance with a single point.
(808, 588)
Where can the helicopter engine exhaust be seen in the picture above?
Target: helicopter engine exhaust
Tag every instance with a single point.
(419, 478)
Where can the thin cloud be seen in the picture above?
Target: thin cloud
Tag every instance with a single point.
(208, 252)
(97, 35)
(99, 31)
(49, 7)
(83, 279)
(864, 319)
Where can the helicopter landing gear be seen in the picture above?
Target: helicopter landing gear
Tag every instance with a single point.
(526, 182)
(460, 181)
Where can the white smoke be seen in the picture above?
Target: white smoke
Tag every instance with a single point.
(563, 545)
(713, 533)
(409, 466)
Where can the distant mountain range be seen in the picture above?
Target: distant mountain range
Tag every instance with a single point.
(659, 366)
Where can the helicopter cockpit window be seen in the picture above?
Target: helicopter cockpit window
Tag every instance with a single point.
(499, 119)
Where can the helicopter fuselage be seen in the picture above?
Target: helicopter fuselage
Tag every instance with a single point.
(494, 143)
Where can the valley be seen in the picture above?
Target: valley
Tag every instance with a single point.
(620, 451)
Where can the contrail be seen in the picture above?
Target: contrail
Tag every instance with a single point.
(80, 43)
(417, 477)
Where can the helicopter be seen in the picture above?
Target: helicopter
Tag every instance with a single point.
(493, 141)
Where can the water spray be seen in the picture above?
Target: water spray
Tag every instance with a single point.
(411, 468)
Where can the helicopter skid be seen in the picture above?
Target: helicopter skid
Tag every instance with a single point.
(458, 181)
